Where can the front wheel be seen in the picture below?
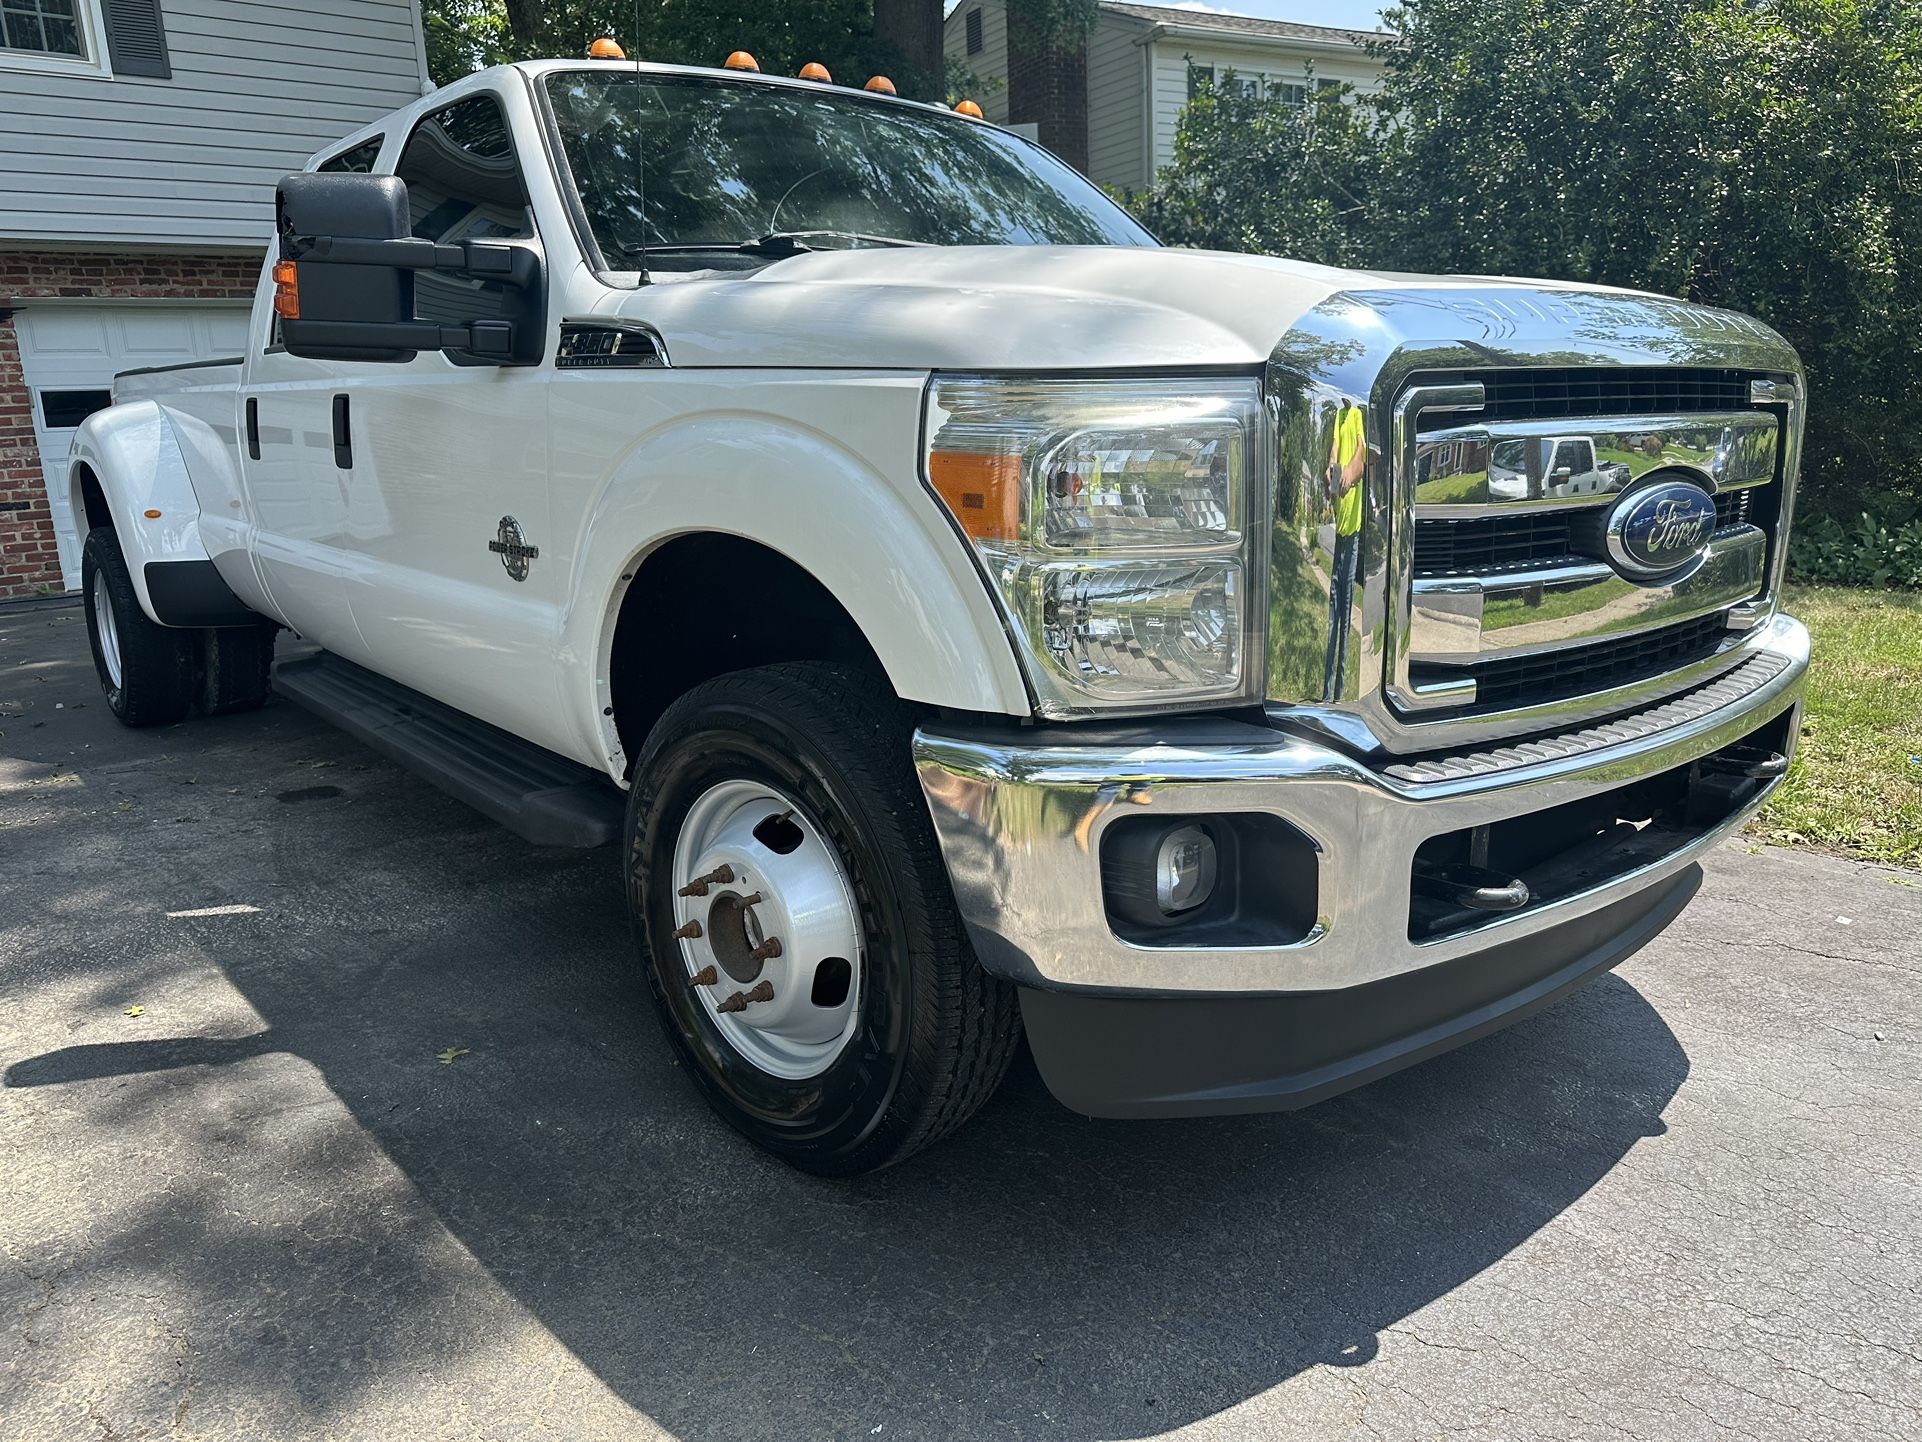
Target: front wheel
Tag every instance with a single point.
(796, 922)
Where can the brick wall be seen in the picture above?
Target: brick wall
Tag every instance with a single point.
(29, 557)
(1048, 84)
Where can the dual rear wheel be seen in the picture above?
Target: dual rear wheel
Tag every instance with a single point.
(154, 675)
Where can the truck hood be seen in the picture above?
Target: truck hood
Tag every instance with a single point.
(1004, 308)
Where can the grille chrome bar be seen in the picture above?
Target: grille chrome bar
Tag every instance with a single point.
(1511, 613)
(1510, 467)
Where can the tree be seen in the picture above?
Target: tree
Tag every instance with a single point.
(1759, 156)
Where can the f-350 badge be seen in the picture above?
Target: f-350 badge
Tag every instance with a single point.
(511, 546)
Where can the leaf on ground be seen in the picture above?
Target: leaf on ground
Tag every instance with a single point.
(136, 1011)
(447, 1054)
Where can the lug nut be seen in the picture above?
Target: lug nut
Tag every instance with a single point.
(767, 950)
(753, 898)
(706, 976)
(690, 932)
(763, 991)
(736, 1002)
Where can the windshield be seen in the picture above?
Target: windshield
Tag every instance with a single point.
(729, 162)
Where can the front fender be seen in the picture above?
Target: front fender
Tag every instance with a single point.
(876, 541)
(132, 453)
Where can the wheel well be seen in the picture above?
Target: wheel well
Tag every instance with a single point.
(706, 604)
(93, 501)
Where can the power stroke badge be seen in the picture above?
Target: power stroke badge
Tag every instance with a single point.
(510, 544)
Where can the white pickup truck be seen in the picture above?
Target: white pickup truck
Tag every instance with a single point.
(970, 617)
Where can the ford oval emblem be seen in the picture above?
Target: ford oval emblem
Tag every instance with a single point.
(1660, 528)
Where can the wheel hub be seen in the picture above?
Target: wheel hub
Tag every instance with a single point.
(769, 936)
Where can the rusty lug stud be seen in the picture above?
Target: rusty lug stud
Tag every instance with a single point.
(753, 898)
(721, 874)
(767, 950)
(706, 976)
(763, 991)
(690, 932)
(736, 1002)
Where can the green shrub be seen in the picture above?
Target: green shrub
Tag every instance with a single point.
(1862, 552)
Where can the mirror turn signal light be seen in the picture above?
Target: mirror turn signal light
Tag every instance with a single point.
(606, 48)
(815, 70)
(880, 85)
(741, 60)
(968, 107)
(982, 493)
(286, 290)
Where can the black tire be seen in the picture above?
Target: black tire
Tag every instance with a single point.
(156, 685)
(236, 663)
(934, 1033)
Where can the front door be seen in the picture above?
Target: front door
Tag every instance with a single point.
(447, 497)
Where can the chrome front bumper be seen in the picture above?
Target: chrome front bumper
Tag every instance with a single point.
(1021, 815)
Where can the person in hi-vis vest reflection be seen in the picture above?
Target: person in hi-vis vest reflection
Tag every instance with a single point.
(1347, 457)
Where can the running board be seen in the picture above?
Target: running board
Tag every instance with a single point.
(537, 795)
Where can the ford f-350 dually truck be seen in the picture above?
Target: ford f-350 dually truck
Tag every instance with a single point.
(972, 618)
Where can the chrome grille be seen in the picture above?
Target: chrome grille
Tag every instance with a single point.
(1552, 675)
(1580, 394)
(1462, 547)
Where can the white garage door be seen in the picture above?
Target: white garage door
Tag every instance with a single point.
(71, 353)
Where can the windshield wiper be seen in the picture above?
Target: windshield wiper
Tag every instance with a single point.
(776, 245)
(793, 242)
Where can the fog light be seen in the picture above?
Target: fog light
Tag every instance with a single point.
(1184, 869)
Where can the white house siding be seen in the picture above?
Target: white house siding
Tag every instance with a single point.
(1278, 63)
(992, 62)
(103, 160)
(1117, 105)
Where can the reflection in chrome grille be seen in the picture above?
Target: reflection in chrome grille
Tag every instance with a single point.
(1554, 675)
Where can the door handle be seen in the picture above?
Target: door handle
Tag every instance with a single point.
(343, 438)
(253, 428)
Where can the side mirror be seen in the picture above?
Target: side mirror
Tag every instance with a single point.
(344, 279)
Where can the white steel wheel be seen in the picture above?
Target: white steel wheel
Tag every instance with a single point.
(768, 930)
(106, 630)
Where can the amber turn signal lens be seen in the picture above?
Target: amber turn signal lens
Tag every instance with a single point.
(880, 85)
(606, 48)
(286, 290)
(741, 60)
(815, 70)
(968, 107)
(983, 493)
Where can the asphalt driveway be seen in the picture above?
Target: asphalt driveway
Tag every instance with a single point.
(242, 1196)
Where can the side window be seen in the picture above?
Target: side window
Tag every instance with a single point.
(359, 160)
(463, 183)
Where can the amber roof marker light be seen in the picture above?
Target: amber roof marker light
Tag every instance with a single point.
(880, 85)
(606, 47)
(741, 60)
(968, 107)
(815, 70)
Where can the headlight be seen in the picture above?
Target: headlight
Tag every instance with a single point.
(1114, 520)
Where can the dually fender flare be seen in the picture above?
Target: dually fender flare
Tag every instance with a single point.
(879, 545)
(131, 451)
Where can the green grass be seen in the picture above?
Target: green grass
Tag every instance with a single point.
(1857, 782)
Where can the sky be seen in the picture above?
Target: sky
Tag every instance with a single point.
(1348, 14)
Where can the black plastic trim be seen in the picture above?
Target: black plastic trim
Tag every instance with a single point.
(191, 593)
(1110, 1056)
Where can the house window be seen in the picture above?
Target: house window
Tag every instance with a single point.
(1295, 97)
(974, 32)
(1198, 76)
(44, 27)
